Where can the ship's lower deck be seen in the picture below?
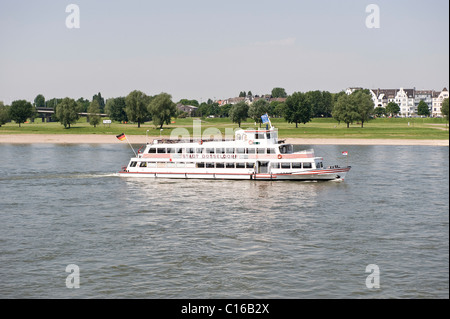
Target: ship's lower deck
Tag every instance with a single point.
(310, 175)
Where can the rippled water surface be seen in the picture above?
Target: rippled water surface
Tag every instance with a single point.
(156, 238)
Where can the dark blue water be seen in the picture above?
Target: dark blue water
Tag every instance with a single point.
(147, 238)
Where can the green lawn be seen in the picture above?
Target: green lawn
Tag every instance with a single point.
(397, 128)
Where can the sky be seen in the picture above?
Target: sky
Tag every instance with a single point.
(209, 49)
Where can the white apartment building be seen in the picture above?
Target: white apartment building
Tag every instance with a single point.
(407, 99)
(437, 102)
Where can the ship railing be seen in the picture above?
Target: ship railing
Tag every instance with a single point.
(187, 140)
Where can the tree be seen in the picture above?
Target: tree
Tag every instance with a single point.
(189, 102)
(225, 110)
(4, 116)
(53, 102)
(279, 92)
(162, 109)
(39, 101)
(83, 104)
(257, 109)
(67, 112)
(422, 109)
(321, 103)
(136, 107)
(116, 109)
(380, 111)
(444, 108)
(94, 111)
(242, 94)
(298, 109)
(20, 111)
(345, 110)
(101, 101)
(392, 108)
(364, 105)
(239, 112)
(277, 108)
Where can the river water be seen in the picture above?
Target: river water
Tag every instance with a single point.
(64, 205)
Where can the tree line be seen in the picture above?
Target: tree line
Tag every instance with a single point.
(138, 107)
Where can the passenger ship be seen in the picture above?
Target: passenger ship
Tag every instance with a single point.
(252, 155)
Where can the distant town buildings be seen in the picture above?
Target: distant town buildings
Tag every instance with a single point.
(408, 99)
(250, 99)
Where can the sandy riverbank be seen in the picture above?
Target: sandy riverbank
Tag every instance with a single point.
(137, 139)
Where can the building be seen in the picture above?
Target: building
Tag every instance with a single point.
(438, 98)
(426, 96)
(408, 99)
(405, 100)
(189, 109)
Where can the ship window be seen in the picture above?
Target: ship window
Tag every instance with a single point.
(251, 151)
(143, 164)
(240, 165)
(182, 165)
(133, 164)
(161, 165)
(151, 164)
(259, 136)
(209, 165)
(199, 150)
(230, 165)
(171, 150)
(190, 150)
(162, 151)
(268, 136)
(276, 165)
(220, 165)
(201, 165)
(190, 165)
(286, 165)
(271, 151)
(307, 165)
(171, 165)
(230, 150)
(209, 151)
(240, 150)
(250, 165)
(238, 137)
(261, 150)
(296, 165)
(220, 151)
(152, 150)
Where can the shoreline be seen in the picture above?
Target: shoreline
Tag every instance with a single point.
(138, 139)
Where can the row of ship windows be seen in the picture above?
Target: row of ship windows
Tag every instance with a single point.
(221, 165)
(211, 151)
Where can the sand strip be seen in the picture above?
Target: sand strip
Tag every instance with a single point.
(138, 139)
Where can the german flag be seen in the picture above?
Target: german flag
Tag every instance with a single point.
(121, 137)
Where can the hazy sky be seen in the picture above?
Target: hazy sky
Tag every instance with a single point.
(200, 49)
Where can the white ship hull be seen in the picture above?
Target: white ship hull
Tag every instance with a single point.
(314, 175)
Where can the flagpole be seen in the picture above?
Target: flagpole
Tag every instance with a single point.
(131, 147)
(120, 137)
